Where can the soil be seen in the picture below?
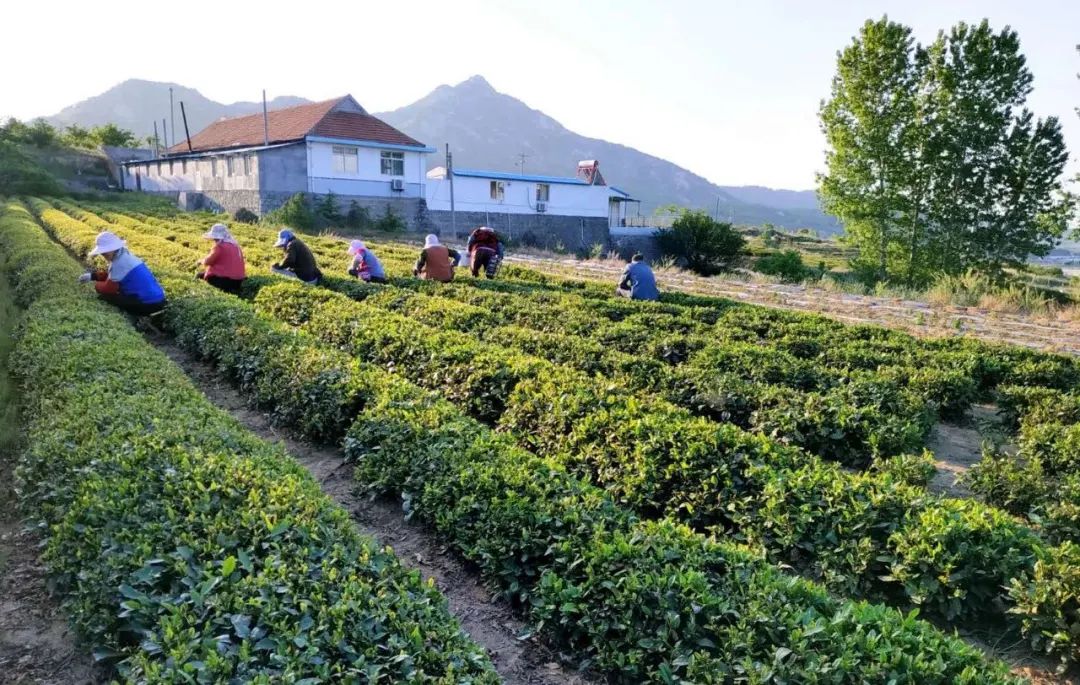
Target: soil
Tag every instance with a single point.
(918, 318)
(958, 447)
(487, 618)
(36, 643)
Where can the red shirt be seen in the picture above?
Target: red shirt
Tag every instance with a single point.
(226, 261)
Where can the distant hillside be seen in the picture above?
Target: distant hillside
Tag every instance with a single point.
(487, 129)
(136, 105)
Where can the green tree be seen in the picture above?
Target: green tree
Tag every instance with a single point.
(867, 120)
(42, 134)
(700, 243)
(15, 131)
(934, 164)
(112, 135)
(77, 136)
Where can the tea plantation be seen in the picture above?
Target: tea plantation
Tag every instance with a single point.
(688, 491)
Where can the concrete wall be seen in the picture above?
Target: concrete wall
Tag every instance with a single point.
(200, 174)
(368, 179)
(572, 233)
(473, 194)
(627, 241)
(283, 169)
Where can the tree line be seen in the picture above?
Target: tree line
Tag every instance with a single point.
(934, 163)
(41, 133)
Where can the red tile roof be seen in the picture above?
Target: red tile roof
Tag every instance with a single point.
(293, 124)
(355, 126)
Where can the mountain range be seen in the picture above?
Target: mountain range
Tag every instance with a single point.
(486, 129)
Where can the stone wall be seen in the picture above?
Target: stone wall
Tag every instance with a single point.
(627, 241)
(571, 233)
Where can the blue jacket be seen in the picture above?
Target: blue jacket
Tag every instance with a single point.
(135, 279)
(640, 279)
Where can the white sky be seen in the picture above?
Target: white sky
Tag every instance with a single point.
(727, 89)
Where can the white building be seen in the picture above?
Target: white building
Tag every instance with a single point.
(256, 163)
(576, 211)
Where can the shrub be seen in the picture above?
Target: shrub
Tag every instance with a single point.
(1046, 602)
(357, 218)
(390, 222)
(787, 265)
(956, 557)
(700, 243)
(245, 216)
(295, 213)
(328, 209)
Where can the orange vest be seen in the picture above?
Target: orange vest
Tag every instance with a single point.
(437, 264)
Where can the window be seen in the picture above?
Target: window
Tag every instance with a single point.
(183, 166)
(171, 172)
(159, 168)
(230, 165)
(393, 163)
(543, 191)
(213, 166)
(497, 191)
(247, 164)
(346, 160)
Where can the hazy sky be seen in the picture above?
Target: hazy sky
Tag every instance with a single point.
(727, 89)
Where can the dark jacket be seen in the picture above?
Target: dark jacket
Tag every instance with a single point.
(300, 261)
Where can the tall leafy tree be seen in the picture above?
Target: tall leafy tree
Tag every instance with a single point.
(868, 118)
(934, 164)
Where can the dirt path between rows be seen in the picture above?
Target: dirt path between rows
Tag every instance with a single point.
(918, 318)
(488, 619)
(37, 645)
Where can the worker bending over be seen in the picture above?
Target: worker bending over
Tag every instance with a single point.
(365, 265)
(485, 251)
(128, 282)
(298, 261)
(436, 261)
(225, 268)
(637, 281)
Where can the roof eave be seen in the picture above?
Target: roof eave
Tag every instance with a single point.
(370, 143)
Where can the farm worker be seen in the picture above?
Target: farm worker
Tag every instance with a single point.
(637, 281)
(128, 283)
(298, 262)
(225, 263)
(485, 251)
(436, 262)
(365, 265)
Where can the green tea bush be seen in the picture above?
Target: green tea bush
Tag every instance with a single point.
(187, 549)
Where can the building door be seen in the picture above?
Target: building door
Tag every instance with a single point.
(138, 181)
(613, 213)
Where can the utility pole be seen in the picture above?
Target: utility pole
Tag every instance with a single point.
(450, 176)
(164, 135)
(521, 162)
(157, 148)
(716, 214)
(266, 123)
(172, 117)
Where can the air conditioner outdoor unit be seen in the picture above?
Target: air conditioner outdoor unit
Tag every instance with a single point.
(541, 206)
(397, 184)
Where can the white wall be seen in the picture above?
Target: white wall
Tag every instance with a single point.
(472, 194)
(369, 179)
(195, 174)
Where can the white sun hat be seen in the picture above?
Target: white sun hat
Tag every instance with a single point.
(106, 241)
(356, 246)
(218, 232)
